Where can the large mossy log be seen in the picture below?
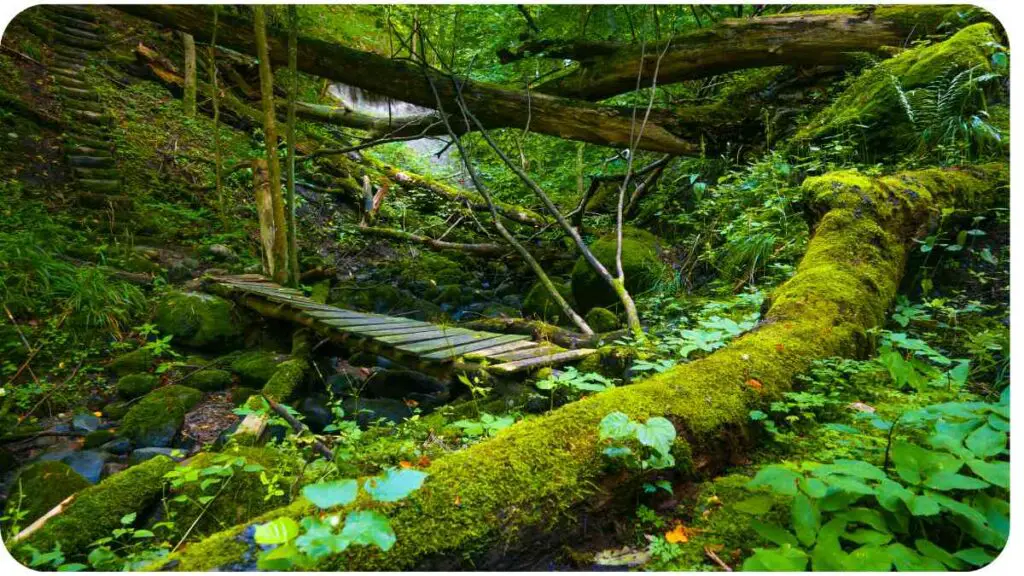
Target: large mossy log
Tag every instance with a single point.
(806, 39)
(495, 106)
(543, 472)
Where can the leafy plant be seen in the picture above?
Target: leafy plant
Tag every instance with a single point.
(574, 381)
(646, 446)
(485, 425)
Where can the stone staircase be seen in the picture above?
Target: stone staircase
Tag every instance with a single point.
(76, 35)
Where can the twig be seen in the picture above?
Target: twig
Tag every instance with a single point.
(299, 428)
(711, 554)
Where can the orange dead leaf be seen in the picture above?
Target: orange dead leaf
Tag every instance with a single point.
(458, 500)
(677, 535)
(755, 384)
(411, 403)
(405, 464)
(780, 347)
(423, 462)
(97, 414)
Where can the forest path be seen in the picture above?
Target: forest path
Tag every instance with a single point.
(425, 346)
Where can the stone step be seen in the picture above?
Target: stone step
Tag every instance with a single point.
(78, 93)
(102, 193)
(91, 161)
(78, 150)
(73, 11)
(68, 64)
(73, 21)
(71, 52)
(96, 173)
(69, 81)
(88, 105)
(67, 72)
(90, 117)
(81, 33)
(75, 41)
(97, 140)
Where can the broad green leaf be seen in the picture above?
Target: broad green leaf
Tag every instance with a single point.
(279, 559)
(806, 519)
(958, 507)
(930, 550)
(867, 536)
(914, 463)
(773, 533)
(395, 485)
(756, 505)
(617, 451)
(975, 556)
(277, 531)
(869, 558)
(856, 468)
(367, 527)
(923, 505)
(951, 481)
(616, 426)
(779, 479)
(783, 559)
(891, 494)
(906, 560)
(866, 516)
(319, 540)
(813, 487)
(986, 442)
(828, 555)
(658, 433)
(75, 567)
(851, 485)
(330, 494)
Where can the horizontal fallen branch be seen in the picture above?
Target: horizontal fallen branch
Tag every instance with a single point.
(486, 249)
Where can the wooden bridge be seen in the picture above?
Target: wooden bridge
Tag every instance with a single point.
(427, 347)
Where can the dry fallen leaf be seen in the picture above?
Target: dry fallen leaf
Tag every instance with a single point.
(755, 384)
(677, 535)
(405, 464)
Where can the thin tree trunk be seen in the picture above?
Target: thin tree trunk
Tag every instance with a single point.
(278, 257)
(293, 245)
(215, 97)
(505, 234)
(189, 100)
(265, 213)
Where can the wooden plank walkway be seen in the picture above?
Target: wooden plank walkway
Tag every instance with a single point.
(401, 339)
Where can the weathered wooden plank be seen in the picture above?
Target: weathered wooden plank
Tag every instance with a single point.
(395, 331)
(407, 338)
(496, 340)
(377, 321)
(541, 361)
(449, 341)
(541, 350)
(326, 312)
(495, 350)
(388, 329)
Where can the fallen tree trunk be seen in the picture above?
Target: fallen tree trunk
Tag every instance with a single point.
(534, 476)
(804, 39)
(484, 249)
(495, 106)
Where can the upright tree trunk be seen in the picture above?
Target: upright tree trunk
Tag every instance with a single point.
(278, 256)
(189, 100)
(215, 97)
(293, 245)
(265, 213)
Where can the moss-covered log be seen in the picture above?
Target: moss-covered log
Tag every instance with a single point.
(804, 39)
(97, 510)
(496, 106)
(539, 473)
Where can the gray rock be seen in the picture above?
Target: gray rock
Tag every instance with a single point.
(118, 446)
(316, 412)
(111, 468)
(88, 463)
(222, 252)
(143, 454)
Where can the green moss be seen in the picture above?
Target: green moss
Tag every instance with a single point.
(139, 360)
(116, 410)
(256, 367)
(382, 299)
(540, 304)
(155, 419)
(98, 509)
(240, 394)
(98, 438)
(640, 262)
(610, 361)
(41, 486)
(240, 498)
(874, 100)
(602, 320)
(209, 380)
(135, 385)
(286, 380)
(199, 320)
(536, 474)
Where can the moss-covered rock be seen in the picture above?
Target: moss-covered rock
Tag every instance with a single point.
(209, 380)
(539, 303)
(98, 509)
(876, 100)
(135, 385)
(286, 380)
(601, 319)
(243, 496)
(156, 418)
(98, 438)
(199, 320)
(116, 410)
(256, 367)
(139, 360)
(383, 299)
(610, 361)
(640, 262)
(41, 486)
(239, 394)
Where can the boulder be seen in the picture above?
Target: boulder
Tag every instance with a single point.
(87, 463)
(85, 422)
(209, 380)
(539, 303)
(142, 454)
(199, 320)
(41, 486)
(256, 367)
(316, 414)
(602, 320)
(640, 262)
(156, 418)
(139, 360)
(135, 385)
(118, 446)
(97, 439)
